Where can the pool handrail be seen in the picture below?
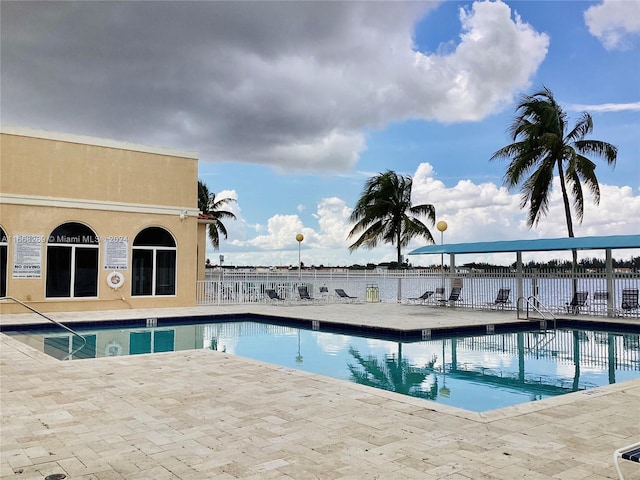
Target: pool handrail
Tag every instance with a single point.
(533, 302)
(73, 332)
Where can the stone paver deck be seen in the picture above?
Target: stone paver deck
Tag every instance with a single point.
(205, 414)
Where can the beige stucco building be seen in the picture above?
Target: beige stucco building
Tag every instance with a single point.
(96, 224)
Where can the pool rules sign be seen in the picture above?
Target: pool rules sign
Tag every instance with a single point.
(116, 250)
(27, 256)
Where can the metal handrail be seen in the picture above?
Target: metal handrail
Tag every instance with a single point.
(73, 332)
(532, 302)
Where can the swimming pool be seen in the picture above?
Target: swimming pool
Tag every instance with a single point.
(473, 372)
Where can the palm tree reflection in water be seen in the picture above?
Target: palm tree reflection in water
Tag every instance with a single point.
(394, 373)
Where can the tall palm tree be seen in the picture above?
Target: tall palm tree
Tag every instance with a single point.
(542, 145)
(384, 213)
(208, 204)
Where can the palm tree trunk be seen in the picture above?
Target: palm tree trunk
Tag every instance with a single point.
(399, 296)
(567, 213)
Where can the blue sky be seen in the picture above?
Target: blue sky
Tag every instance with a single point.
(293, 105)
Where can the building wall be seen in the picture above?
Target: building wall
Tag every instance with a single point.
(202, 250)
(117, 189)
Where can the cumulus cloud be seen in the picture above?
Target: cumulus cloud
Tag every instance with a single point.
(614, 22)
(281, 233)
(293, 85)
(607, 218)
(281, 230)
(497, 55)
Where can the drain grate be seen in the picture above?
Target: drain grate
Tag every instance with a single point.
(55, 476)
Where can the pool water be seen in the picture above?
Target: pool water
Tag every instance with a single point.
(476, 373)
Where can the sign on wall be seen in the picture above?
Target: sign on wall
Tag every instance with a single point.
(116, 251)
(27, 256)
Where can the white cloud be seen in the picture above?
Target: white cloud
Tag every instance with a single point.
(606, 107)
(607, 218)
(496, 57)
(281, 234)
(614, 22)
(333, 219)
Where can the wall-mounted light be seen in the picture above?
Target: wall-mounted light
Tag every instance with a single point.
(183, 215)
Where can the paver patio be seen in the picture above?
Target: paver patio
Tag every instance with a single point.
(204, 414)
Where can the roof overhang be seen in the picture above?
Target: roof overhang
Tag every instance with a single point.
(206, 218)
(537, 245)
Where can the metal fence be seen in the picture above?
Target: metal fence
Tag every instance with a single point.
(553, 289)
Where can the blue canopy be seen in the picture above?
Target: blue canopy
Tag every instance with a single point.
(537, 245)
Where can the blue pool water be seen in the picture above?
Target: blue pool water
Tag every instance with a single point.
(477, 373)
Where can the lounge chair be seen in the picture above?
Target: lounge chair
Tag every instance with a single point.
(454, 296)
(342, 295)
(422, 298)
(324, 292)
(502, 298)
(303, 292)
(629, 300)
(600, 301)
(630, 452)
(578, 301)
(273, 297)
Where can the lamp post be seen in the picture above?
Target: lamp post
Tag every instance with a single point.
(442, 226)
(299, 239)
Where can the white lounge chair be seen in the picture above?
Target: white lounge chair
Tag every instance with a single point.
(342, 295)
(422, 298)
(630, 452)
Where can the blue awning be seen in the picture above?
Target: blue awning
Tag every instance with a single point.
(538, 245)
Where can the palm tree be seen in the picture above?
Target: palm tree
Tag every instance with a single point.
(384, 213)
(208, 204)
(542, 144)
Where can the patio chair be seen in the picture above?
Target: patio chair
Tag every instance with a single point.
(342, 295)
(303, 292)
(422, 298)
(629, 300)
(502, 298)
(630, 452)
(578, 301)
(454, 296)
(600, 301)
(273, 297)
(324, 293)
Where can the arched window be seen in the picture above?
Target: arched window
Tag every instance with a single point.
(4, 246)
(154, 263)
(72, 262)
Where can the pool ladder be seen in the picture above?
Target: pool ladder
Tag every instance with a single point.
(533, 303)
(73, 332)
